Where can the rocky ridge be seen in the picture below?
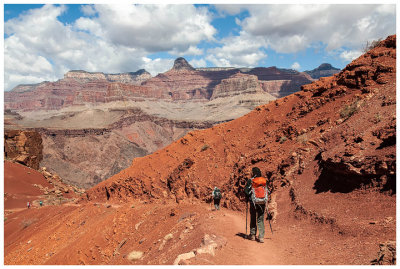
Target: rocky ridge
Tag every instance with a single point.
(324, 70)
(182, 82)
(134, 218)
(291, 132)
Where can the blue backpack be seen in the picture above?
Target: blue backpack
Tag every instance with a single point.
(217, 194)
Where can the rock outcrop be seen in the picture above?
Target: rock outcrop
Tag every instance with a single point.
(324, 70)
(313, 124)
(24, 147)
(181, 64)
(236, 85)
(135, 78)
(181, 83)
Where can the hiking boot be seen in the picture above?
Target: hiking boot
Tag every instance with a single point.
(261, 240)
(251, 237)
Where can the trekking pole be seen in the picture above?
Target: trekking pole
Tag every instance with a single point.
(269, 221)
(247, 205)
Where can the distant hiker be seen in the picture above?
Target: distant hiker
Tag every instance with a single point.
(216, 195)
(28, 204)
(257, 192)
(40, 203)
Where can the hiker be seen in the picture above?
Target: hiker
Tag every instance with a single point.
(40, 203)
(28, 204)
(257, 193)
(216, 195)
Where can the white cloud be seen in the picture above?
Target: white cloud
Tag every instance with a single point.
(292, 28)
(157, 65)
(237, 51)
(192, 50)
(88, 10)
(155, 27)
(295, 66)
(198, 63)
(39, 47)
(225, 9)
(350, 55)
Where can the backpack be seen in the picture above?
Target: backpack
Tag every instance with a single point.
(259, 192)
(217, 194)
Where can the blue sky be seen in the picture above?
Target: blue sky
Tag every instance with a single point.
(43, 42)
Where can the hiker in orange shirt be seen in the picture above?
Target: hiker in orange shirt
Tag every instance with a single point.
(257, 194)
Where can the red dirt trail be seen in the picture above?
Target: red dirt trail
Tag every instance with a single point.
(330, 155)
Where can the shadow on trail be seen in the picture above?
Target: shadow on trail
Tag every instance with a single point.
(242, 235)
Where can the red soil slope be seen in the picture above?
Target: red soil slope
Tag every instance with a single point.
(19, 186)
(329, 152)
(345, 122)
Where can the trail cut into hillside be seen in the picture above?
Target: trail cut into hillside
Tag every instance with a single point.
(328, 151)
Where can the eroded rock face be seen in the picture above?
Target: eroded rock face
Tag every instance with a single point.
(181, 83)
(346, 122)
(237, 84)
(181, 64)
(76, 88)
(24, 147)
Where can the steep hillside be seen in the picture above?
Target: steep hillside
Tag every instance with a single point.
(353, 110)
(137, 113)
(329, 152)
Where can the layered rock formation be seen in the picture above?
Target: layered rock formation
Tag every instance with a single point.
(148, 113)
(324, 70)
(135, 78)
(324, 151)
(24, 147)
(236, 85)
(282, 137)
(182, 82)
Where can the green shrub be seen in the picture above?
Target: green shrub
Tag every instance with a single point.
(282, 139)
(348, 110)
(303, 139)
(377, 118)
(205, 147)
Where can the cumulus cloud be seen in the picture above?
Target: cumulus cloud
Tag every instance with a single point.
(225, 9)
(292, 28)
(350, 55)
(88, 10)
(155, 27)
(198, 63)
(295, 66)
(40, 47)
(119, 38)
(157, 65)
(237, 51)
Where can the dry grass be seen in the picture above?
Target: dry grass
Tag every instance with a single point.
(26, 223)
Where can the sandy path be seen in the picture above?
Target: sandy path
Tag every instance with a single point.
(238, 250)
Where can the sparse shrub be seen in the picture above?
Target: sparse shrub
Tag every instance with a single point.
(371, 45)
(5, 219)
(133, 206)
(27, 223)
(348, 110)
(282, 139)
(302, 139)
(377, 118)
(205, 147)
